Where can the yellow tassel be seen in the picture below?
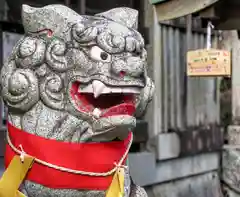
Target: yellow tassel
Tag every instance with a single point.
(116, 188)
(14, 176)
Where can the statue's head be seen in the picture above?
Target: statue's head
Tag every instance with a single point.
(92, 67)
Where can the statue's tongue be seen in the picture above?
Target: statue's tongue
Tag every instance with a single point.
(126, 107)
(122, 109)
(105, 105)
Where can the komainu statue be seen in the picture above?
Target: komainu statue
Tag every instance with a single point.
(73, 86)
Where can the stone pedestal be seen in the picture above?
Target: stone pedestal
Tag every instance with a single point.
(231, 163)
(233, 135)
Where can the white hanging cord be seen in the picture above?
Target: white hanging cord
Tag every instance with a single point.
(209, 34)
(121, 166)
(22, 154)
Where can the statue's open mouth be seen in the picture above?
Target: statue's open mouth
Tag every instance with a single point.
(102, 101)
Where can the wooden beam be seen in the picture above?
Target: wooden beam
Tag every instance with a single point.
(228, 24)
(209, 12)
(169, 10)
(229, 17)
(12, 27)
(228, 9)
(157, 1)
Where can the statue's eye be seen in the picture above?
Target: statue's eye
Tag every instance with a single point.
(99, 55)
(104, 55)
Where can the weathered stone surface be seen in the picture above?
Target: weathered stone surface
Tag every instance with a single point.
(205, 185)
(227, 192)
(233, 135)
(231, 167)
(169, 170)
(231, 163)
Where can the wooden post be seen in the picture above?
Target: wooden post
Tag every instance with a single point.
(82, 7)
(1, 62)
(189, 113)
(231, 153)
(157, 76)
(67, 2)
(2, 127)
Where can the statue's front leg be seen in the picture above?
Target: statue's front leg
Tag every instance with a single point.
(137, 191)
(23, 190)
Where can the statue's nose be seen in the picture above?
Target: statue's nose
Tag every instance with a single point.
(132, 66)
(118, 67)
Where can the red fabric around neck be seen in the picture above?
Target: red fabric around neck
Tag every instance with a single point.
(90, 157)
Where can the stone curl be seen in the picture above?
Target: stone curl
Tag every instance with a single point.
(51, 91)
(56, 56)
(83, 34)
(19, 87)
(30, 52)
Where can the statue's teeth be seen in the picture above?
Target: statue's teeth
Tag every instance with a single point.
(116, 90)
(86, 89)
(133, 90)
(97, 112)
(98, 88)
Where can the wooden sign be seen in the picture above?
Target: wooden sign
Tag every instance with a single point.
(211, 62)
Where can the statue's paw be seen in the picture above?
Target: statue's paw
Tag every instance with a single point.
(137, 191)
(24, 191)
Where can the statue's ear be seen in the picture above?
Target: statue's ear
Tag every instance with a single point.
(123, 15)
(56, 17)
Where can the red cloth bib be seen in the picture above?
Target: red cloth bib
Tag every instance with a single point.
(90, 157)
